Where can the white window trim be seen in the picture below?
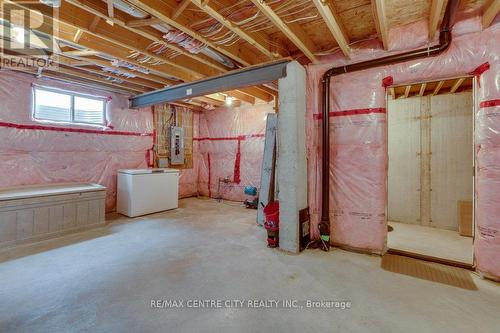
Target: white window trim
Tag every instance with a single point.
(72, 94)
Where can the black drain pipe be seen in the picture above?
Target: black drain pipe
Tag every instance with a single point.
(444, 42)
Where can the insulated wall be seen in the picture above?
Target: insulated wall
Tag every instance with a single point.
(358, 165)
(34, 152)
(229, 149)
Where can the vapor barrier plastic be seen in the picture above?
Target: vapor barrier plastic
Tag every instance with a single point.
(358, 165)
(230, 146)
(34, 152)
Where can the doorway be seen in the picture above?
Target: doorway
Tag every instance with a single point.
(431, 164)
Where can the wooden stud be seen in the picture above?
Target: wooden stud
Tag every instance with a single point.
(304, 43)
(180, 8)
(407, 91)
(438, 88)
(334, 25)
(435, 15)
(457, 85)
(490, 13)
(378, 8)
(422, 89)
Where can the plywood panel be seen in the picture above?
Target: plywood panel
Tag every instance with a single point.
(82, 213)
(55, 218)
(8, 225)
(404, 164)
(41, 220)
(25, 223)
(401, 12)
(452, 157)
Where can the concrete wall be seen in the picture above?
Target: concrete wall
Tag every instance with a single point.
(291, 156)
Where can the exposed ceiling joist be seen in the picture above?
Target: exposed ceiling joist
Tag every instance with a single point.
(438, 88)
(136, 23)
(437, 7)
(97, 79)
(241, 96)
(255, 40)
(94, 23)
(490, 13)
(133, 80)
(182, 23)
(66, 33)
(457, 85)
(334, 25)
(77, 80)
(180, 9)
(378, 9)
(407, 91)
(96, 7)
(98, 11)
(150, 77)
(423, 86)
(81, 53)
(293, 33)
(183, 69)
(111, 11)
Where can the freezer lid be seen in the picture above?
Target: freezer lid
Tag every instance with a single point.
(147, 171)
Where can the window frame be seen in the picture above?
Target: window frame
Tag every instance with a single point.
(72, 95)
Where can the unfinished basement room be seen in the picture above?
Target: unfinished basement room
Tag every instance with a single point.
(249, 166)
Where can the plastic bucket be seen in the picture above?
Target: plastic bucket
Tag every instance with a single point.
(272, 212)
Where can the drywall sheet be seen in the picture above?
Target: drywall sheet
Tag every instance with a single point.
(358, 165)
(452, 157)
(34, 152)
(404, 149)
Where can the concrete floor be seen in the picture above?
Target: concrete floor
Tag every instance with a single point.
(446, 244)
(104, 280)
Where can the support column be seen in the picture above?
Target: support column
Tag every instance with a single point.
(291, 158)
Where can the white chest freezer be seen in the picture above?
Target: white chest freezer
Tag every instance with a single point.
(146, 191)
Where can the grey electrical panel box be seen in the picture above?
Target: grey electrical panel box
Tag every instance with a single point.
(176, 145)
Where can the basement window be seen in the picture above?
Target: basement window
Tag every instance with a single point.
(63, 106)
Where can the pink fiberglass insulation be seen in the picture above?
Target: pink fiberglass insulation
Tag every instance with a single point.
(358, 165)
(230, 145)
(34, 152)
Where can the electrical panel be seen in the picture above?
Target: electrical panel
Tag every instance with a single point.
(177, 145)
